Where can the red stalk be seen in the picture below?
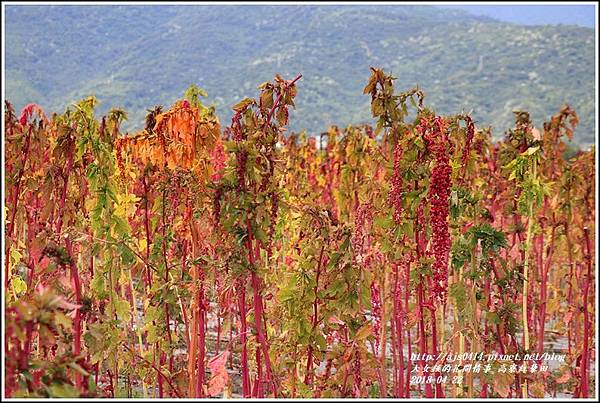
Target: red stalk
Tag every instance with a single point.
(421, 303)
(257, 392)
(584, 387)
(160, 362)
(395, 354)
(258, 323)
(201, 323)
(423, 339)
(63, 198)
(400, 332)
(409, 350)
(166, 279)
(243, 338)
(439, 392)
(543, 292)
(77, 320)
(309, 363)
(570, 282)
(32, 229)
(11, 224)
(147, 229)
(258, 309)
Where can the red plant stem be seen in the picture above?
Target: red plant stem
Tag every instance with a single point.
(421, 303)
(166, 278)
(32, 229)
(77, 320)
(309, 362)
(243, 338)
(258, 392)
(399, 332)
(218, 343)
(570, 282)
(409, 349)
(499, 334)
(11, 224)
(160, 362)
(383, 344)
(584, 387)
(63, 198)
(396, 366)
(439, 392)
(24, 357)
(258, 309)
(230, 339)
(73, 267)
(158, 371)
(543, 293)
(325, 377)
(147, 229)
(112, 387)
(423, 338)
(201, 348)
(276, 103)
(261, 337)
(538, 251)
(183, 310)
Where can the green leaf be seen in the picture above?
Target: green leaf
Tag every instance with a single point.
(63, 390)
(364, 332)
(287, 293)
(79, 369)
(98, 285)
(19, 286)
(531, 150)
(266, 98)
(123, 310)
(384, 222)
(121, 226)
(493, 318)
(260, 234)
(458, 293)
(321, 342)
(243, 104)
(63, 320)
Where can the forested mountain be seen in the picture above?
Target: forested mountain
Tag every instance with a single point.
(134, 56)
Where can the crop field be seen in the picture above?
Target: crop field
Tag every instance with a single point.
(416, 257)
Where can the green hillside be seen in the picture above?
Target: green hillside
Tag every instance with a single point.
(139, 56)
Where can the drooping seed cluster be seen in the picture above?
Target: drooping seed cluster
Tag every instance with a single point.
(273, 219)
(356, 374)
(218, 161)
(217, 204)
(470, 133)
(241, 157)
(396, 191)
(438, 195)
(360, 238)
(376, 312)
(119, 155)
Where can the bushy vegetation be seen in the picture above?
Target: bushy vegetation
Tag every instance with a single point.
(193, 260)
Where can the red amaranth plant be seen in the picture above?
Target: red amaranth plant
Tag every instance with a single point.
(311, 262)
